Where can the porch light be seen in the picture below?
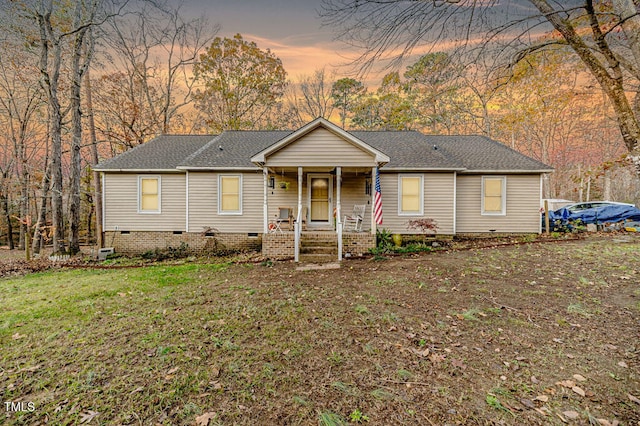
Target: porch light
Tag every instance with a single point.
(272, 182)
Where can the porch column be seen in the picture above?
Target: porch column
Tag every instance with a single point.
(338, 193)
(373, 200)
(265, 206)
(300, 195)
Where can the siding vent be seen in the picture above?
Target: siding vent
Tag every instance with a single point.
(125, 232)
(252, 234)
(177, 232)
(209, 234)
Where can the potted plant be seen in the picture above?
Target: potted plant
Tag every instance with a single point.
(284, 185)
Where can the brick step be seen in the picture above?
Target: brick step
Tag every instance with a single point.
(319, 249)
(318, 258)
(318, 243)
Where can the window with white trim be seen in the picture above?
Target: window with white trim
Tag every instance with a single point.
(149, 194)
(494, 195)
(229, 194)
(410, 195)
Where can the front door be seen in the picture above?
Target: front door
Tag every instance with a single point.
(320, 190)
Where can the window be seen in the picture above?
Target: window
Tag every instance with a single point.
(229, 194)
(149, 194)
(410, 195)
(494, 195)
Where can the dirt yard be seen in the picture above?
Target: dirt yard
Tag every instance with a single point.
(527, 334)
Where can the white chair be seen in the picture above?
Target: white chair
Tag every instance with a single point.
(284, 216)
(354, 221)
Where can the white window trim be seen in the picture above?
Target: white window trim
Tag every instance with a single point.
(159, 178)
(503, 211)
(414, 175)
(229, 213)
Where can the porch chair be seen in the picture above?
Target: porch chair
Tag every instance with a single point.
(284, 216)
(354, 221)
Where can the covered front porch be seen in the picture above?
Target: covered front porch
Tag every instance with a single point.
(312, 180)
(305, 210)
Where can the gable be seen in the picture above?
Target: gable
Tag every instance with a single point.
(320, 147)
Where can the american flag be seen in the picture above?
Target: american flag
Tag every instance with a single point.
(377, 200)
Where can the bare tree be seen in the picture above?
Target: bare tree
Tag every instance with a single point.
(315, 97)
(606, 41)
(155, 50)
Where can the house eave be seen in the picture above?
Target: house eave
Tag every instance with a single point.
(218, 168)
(422, 169)
(507, 171)
(108, 170)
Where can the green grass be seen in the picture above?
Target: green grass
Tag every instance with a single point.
(370, 343)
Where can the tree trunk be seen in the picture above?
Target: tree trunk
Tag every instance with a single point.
(4, 201)
(610, 77)
(38, 240)
(50, 70)
(97, 184)
(606, 186)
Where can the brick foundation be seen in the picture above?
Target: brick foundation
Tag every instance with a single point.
(278, 246)
(357, 244)
(138, 242)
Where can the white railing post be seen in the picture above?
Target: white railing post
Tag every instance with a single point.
(339, 229)
(296, 244)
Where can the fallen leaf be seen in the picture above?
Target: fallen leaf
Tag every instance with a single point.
(572, 415)
(541, 398)
(579, 378)
(18, 336)
(570, 356)
(578, 390)
(623, 364)
(173, 370)
(534, 380)
(633, 398)
(204, 419)
(557, 340)
(88, 416)
(139, 389)
(610, 347)
(604, 422)
(566, 383)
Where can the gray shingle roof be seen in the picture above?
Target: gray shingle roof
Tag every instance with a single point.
(162, 153)
(479, 153)
(233, 149)
(406, 150)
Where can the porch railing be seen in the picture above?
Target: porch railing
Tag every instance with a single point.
(339, 232)
(297, 229)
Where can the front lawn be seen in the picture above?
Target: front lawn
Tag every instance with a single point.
(525, 334)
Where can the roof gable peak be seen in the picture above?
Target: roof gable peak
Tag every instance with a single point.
(318, 123)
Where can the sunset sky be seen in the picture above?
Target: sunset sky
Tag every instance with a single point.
(290, 28)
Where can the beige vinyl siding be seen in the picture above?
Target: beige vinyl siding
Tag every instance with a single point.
(353, 192)
(121, 203)
(438, 202)
(203, 203)
(522, 205)
(320, 148)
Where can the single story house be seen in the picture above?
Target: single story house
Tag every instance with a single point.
(231, 189)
